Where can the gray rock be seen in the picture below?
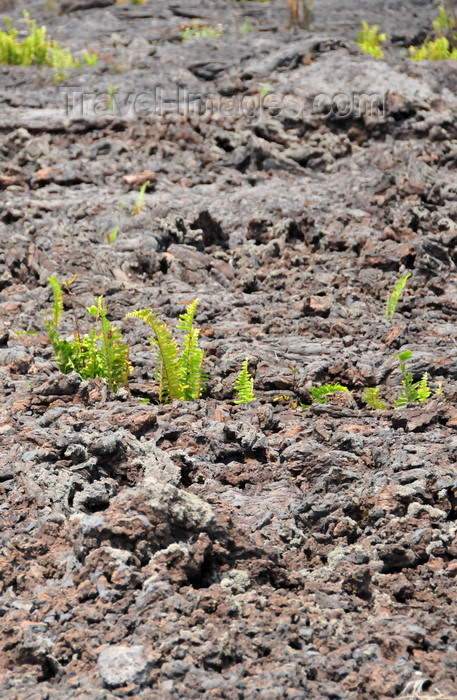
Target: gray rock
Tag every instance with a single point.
(120, 664)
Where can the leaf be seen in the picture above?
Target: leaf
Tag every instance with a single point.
(57, 307)
(244, 385)
(191, 359)
(403, 356)
(373, 400)
(168, 370)
(321, 394)
(394, 296)
(423, 390)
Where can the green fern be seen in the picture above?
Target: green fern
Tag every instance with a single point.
(37, 49)
(394, 296)
(57, 306)
(244, 385)
(168, 371)
(191, 359)
(103, 354)
(113, 357)
(412, 392)
(423, 390)
(179, 375)
(138, 207)
(370, 41)
(322, 394)
(373, 400)
(440, 391)
(444, 20)
(433, 50)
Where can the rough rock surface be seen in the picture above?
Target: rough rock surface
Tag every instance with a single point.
(204, 549)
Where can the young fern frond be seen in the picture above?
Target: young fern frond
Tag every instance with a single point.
(440, 391)
(191, 359)
(179, 376)
(373, 400)
(57, 306)
(370, 41)
(394, 296)
(244, 385)
(321, 394)
(413, 392)
(169, 372)
(114, 353)
(186, 320)
(190, 366)
(138, 207)
(423, 390)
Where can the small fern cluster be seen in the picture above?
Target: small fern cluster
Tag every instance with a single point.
(412, 392)
(38, 49)
(444, 45)
(200, 30)
(96, 354)
(179, 373)
(433, 50)
(370, 41)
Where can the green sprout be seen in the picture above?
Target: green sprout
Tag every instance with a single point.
(370, 41)
(322, 394)
(244, 385)
(138, 207)
(394, 296)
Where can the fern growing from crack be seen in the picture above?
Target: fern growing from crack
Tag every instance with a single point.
(394, 296)
(179, 375)
(191, 360)
(167, 351)
(322, 394)
(113, 356)
(244, 385)
(103, 354)
(413, 392)
(373, 400)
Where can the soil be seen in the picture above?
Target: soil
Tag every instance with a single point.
(207, 549)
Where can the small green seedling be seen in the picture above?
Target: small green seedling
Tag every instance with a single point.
(111, 94)
(373, 400)
(322, 394)
(179, 373)
(370, 41)
(138, 207)
(246, 27)
(90, 58)
(244, 385)
(200, 30)
(440, 391)
(20, 332)
(413, 392)
(447, 18)
(111, 236)
(394, 296)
